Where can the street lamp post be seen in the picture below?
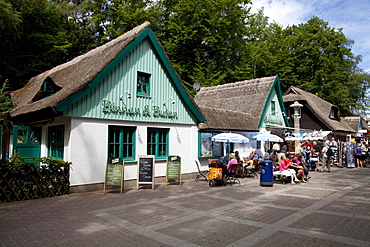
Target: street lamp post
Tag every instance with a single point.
(296, 105)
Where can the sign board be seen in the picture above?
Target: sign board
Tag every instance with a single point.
(350, 155)
(173, 168)
(114, 173)
(145, 168)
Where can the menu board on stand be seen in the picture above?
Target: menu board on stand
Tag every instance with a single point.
(114, 173)
(145, 169)
(173, 168)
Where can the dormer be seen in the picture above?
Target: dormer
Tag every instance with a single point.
(334, 113)
(47, 89)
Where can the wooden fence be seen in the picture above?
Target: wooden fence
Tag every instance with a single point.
(31, 180)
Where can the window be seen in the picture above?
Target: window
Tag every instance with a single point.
(158, 142)
(48, 88)
(121, 142)
(334, 113)
(143, 84)
(56, 141)
(208, 148)
(273, 108)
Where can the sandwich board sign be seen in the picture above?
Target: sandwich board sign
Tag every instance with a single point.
(114, 173)
(173, 168)
(145, 170)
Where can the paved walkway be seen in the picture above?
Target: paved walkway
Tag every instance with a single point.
(333, 209)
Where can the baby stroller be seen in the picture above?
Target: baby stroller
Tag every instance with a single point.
(217, 173)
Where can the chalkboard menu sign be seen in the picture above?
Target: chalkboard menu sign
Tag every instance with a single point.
(145, 168)
(114, 173)
(173, 170)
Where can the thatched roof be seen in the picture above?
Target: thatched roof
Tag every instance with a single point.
(217, 119)
(354, 122)
(71, 76)
(234, 106)
(318, 106)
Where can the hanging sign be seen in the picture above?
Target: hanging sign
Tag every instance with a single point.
(145, 168)
(173, 168)
(114, 173)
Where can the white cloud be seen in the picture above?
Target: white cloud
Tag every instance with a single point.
(352, 16)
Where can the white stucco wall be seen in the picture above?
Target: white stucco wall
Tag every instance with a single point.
(87, 148)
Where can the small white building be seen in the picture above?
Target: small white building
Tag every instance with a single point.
(120, 100)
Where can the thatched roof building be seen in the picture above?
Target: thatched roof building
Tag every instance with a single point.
(316, 112)
(238, 106)
(356, 123)
(78, 77)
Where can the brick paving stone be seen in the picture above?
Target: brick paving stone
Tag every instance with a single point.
(312, 192)
(356, 196)
(237, 194)
(200, 202)
(288, 239)
(336, 225)
(264, 214)
(148, 214)
(206, 231)
(287, 200)
(352, 207)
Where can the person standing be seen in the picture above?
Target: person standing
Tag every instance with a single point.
(325, 162)
(298, 149)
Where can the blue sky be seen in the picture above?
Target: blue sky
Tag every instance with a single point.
(351, 15)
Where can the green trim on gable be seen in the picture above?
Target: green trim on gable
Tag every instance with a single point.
(275, 86)
(146, 33)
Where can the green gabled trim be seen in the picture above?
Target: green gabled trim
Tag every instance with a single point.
(147, 32)
(178, 85)
(275, 86)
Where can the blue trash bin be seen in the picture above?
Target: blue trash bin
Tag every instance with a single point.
(267, 175)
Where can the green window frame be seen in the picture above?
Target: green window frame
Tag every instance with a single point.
(121, 142)
(273, 107)
(56, 141)
(208, 148)
(157, 143)
(143, 84)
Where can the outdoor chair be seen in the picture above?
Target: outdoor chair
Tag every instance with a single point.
(232, 174)
(251, 170)
(201, 173)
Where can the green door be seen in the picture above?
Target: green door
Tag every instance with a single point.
(26, 141)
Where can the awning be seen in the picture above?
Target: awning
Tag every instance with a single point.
(315, 135)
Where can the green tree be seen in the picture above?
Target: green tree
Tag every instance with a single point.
(37, 44)
(319, 59)
(207, 35)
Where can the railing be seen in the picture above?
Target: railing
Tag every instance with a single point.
(31, 178)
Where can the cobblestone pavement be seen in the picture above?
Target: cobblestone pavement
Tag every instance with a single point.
(333, 209)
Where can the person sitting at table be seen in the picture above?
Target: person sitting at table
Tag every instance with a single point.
(232, 161)
(237, 157)
(255, 155)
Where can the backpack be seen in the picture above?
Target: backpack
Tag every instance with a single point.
(329, 152)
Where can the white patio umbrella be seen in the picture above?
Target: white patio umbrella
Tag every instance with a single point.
(230, 138)
(267, 138)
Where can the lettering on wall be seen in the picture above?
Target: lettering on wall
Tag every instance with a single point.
(147, 111)
(275, 120)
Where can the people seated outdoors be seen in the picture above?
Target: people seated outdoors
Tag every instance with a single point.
(255, 155)
(274, 158)
(314, 160)
(237, 157)
(231, 162)
(285, 169)
(299, 170)
(298, 160)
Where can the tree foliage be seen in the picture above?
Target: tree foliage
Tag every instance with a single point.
(208, 41)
